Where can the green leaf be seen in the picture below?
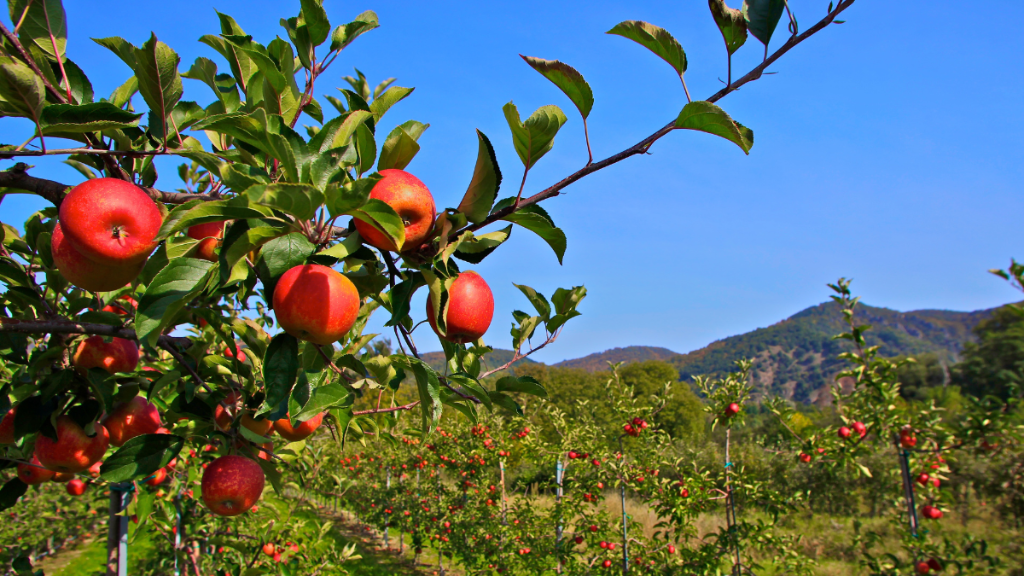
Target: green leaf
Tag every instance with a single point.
(524, 384)
(200, 211)
(280, 370)
(124, 49)
(316, 21)
(483, 188)
(299, 200)
(655, 39)
(568, 80)
(429, 387)
(159, 81)
(345, 248)
(366, 148)
(762, 16)
(535, 137)
(337, 132)
(566, 300)
(731, 24)
(280, 255)
(141, 456)
(536, 219)
(243, 237)
(81, 88)
(123, 93)
(540, 303)
(223, 85)
(389, 98)
(706, 117)
(401, 146)
(325, 398)
(383, 217)
(169, 292)
(344, 35)
(37, 21)
(22, 90)
(69, 118)
(506, 402)
(475, 248)
(12, 490)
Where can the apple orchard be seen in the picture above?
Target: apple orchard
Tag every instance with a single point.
(199, 356)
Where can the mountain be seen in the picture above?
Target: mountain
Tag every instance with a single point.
(796, 358)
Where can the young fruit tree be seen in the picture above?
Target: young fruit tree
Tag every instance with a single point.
(148, 334)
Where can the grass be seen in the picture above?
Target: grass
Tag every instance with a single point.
(90, 558)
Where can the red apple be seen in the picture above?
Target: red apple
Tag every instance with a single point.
(229, 353)
(75, 487)
(414, 204)
(133, 418)
(269, 549)
(62, 477)
(860, 429)
(73, 451)
(805, 458)
(85, 273)
(607, 563)
(922, 568)
(844, 432)
(923, 478)
(315, 303)
(224, 412)
(261, 427)
(118, 309)
(157, 478)
(732, 410)
(118, 355)
(34, 473)
(934, 564)
(470, 309)
(301, 432)
(110, 221)
(7, 428)
(209, 236)
(231, 485)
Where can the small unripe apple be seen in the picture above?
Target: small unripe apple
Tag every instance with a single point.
(316, 303)
(231, 485)
(300, 432)
(88, 274)
(74, 451)
(133, 418)
(411, 200)
(118, 355)
(209, 236)
(34, 472)
(470, 309)
(110, 221)
(75, 487)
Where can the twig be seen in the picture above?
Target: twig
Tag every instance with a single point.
(517, 356)
(385, 410)
(166, 345)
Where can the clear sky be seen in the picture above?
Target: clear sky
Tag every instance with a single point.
(887, 150)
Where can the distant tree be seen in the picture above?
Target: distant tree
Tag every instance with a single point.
(682, 416)
(920, 377)
(995, 364)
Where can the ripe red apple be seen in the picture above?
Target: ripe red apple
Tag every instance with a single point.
(671, 549)
(34, 473)
(85, 273)
(860, 429)
(607, 563)
(315, 303)
(931, 512)
(805, 458)
(414, 204)
(579, 539)
(922, 567)
(73, 451)
(62, 477)
(593, 528)
(261, 427)
(844, 432)
(7, 428)
(225, 411)
(209, 236)
(118, 355)
(75, 487)
(934, 564)
(231, 485)
(470, 309)
(110, 221)
(229, 353)
(121, 310)
(302, 431)
(269, 549)
(157, 478)
(923, 478)
(133, 418)
(732, 410)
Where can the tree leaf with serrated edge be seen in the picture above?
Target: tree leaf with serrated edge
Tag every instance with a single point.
(81, 87)
(429, 390)
(566, 300)
(344, 35)
(655, 39)
(316, 21)
(400, 299)
(386, 100)
(472, 386)
(399, 148)
(438, 287)
(540, 303)
(324, 398)
(69, 118)
(524, 384)
(476, 248)
(730, 23)
(159, 81)
(280, 370)
(141, 456)
(12, 490)
(169, 292)
(352, 195)
(535, 137)
(762, 17)
(541, 226)
(706, 117)
(567, 79)
(199, 211)
(37, 20)
(124, 49)
(382, 217)
(506, 402)
(345, 248)
(242, 237)
(366, 148)
(123, 93)
(23, 90)
(483, 187)
(299, 200)
(280, 255)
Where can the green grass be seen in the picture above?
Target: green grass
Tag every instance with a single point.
(90, 559)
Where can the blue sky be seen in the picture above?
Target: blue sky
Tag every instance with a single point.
(887, 150)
